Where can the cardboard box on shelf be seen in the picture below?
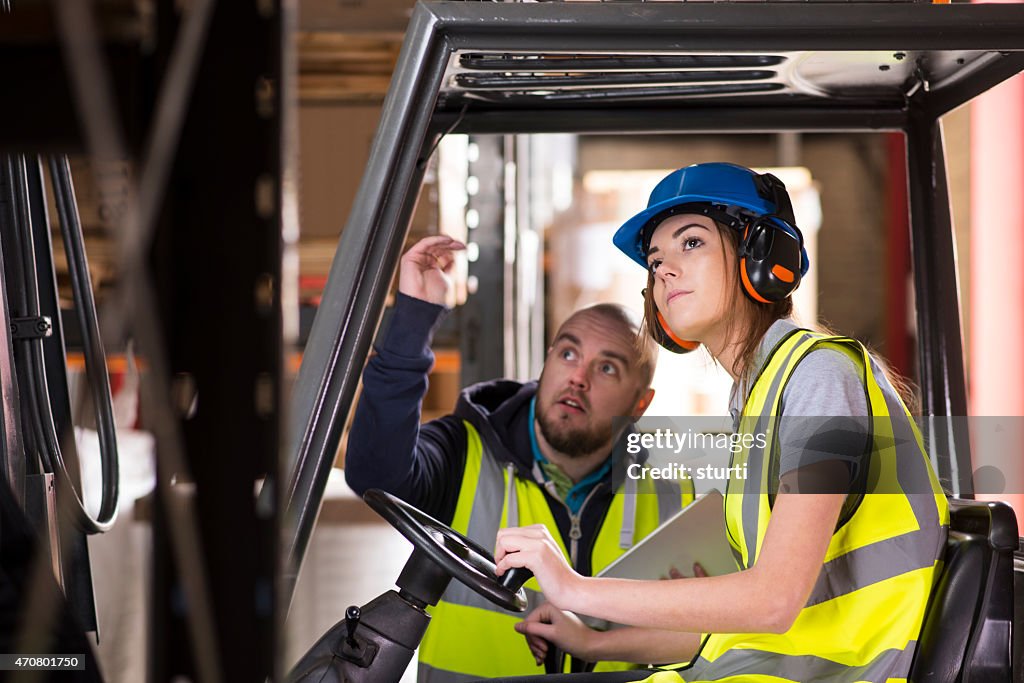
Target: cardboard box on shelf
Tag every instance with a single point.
(444, 384)
(355, 15)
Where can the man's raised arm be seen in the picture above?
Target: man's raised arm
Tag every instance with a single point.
(387, 447)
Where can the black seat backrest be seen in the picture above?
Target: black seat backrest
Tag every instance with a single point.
(967, 630)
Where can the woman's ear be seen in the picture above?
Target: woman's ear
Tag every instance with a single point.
(643, 404)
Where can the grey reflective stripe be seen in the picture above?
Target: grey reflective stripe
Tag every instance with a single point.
(756, 455)
(485, 516)
(912, 470)
(628, 513)
(430, 674)
(670, 498)
(872, 563)
(751, 506)
(484, 522)
(738, 556)
(802, 668)
(907, 552)
(511, 497)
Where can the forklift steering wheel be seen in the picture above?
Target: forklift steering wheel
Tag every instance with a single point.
(457, 555)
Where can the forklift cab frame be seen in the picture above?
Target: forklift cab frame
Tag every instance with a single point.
(634, 67)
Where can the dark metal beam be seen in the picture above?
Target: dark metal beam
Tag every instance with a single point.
(39, 113)
(220, 308)
(729, 27)
(353, 299)
(482, 319)
(684, 119)
(940, 341)
(944, 98)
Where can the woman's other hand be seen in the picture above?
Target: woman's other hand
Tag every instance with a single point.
(548, 625)
(674, 573)
(533, 547)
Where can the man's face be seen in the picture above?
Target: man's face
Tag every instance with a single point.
(590, 376)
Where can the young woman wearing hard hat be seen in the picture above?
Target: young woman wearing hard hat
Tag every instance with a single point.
(839, 528)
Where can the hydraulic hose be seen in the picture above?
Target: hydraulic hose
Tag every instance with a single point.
(95, 358)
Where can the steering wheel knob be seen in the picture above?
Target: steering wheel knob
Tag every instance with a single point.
(514, 578)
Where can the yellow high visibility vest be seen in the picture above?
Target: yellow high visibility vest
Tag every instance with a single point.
(470, 637)
(865, 612)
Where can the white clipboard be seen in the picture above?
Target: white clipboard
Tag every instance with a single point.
(694, 534)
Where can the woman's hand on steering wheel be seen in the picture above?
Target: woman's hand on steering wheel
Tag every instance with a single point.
(534, 548)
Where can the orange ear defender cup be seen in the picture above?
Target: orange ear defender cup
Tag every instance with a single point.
(669, 340)
(748, 287)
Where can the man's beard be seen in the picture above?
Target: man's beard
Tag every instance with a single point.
(574, 443)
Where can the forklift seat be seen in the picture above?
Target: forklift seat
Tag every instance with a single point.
(968, 626)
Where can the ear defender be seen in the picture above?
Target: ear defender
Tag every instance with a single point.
(665, 337)
(772, 250)
(771, 262)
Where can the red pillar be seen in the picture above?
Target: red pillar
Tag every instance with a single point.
(898, 348)
(996, 355)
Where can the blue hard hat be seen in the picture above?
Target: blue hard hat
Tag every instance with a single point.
(735, 192)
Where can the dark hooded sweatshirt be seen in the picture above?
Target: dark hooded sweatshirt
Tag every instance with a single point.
(423, 464)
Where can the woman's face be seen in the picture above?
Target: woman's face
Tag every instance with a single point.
(694, 286)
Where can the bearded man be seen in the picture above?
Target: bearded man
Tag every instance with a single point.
(511, 454)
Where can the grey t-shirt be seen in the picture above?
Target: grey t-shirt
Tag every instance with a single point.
(824, 408)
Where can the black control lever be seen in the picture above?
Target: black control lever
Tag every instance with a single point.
(359, 651)
(352, 615)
